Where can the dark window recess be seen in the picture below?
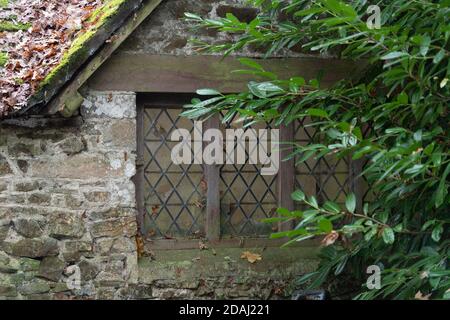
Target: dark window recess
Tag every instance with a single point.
(222, 203)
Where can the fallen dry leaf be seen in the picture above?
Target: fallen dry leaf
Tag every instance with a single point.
(155, 210)
(251, 257)
(330, 238)
(36, 50)
(419, 296)
(140, 246)
(202, 245)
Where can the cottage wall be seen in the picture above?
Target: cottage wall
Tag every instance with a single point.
(67, 202)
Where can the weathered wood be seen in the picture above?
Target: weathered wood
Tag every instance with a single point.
(58, 104)
(183, 74)
(139, 177)
(186, 244)
(78, 57)
(286, 175)
(212, 173)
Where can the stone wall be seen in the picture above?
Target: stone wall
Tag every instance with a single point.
(66, 198)
(166, 32)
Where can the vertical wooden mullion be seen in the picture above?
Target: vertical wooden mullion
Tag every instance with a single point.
(286, 175)
(139, 177)
(212, 174)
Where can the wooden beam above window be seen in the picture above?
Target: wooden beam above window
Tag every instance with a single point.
(183, 74)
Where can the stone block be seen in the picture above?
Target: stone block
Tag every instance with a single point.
(25, 148)
(8, 291)
(116, 105)
(41, 199)
(244, 14)
(51, 268)
(26, 186)
(89, 269)
(5, 168)
(8, 264)
(66, 226)
(35, 286)
(74, 249)
(28, 228)
(27, 264)
(97, 196)
(31, 248)
(78, 166)
(120, 134)
(114, 228)
(72, 145)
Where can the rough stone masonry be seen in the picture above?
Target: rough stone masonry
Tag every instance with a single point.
(67, 200)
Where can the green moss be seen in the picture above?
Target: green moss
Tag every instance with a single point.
(104, 12)
(3, 58)
(78, 50)
(11, 26)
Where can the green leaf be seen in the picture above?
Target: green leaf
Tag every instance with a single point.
(308, 12)
(371, 233)
(251, 63)
(437, 232)
(393, 55)
(313, 202)
(274, 220)
(232, 18)
(192, 16)
(317, 113)
(325, 225)
(442, 189)
(208, 92)
(428, 224)
(299, 81)
(446, 295)
(350, 202)
(395, 130)
(332, 207)
(283, 211)
(425, 45)
(414, 169)
(402, 98)
(418, 135)
(439, 56)
(298, 196)
(388, 235)
(364, 150)
(333, 133)
(340, 7)
(264, 89)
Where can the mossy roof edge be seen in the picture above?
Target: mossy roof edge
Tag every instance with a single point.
(82, 49)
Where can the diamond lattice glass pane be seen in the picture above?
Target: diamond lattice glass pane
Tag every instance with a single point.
(326, 178)
(246, 196)
(174, 194)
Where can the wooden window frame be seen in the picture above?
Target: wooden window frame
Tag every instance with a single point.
(285, 182)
